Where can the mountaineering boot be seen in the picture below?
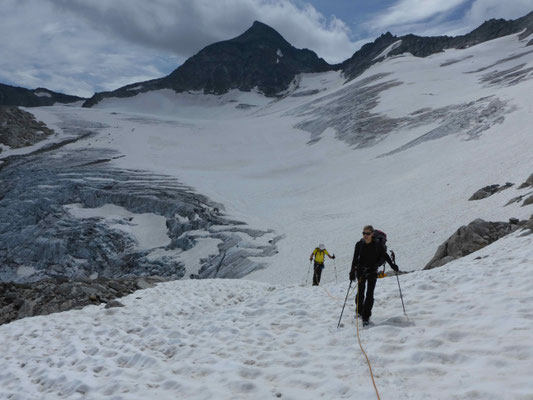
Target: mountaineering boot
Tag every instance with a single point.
(366, 322)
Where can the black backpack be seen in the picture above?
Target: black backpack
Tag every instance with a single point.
(381, 237)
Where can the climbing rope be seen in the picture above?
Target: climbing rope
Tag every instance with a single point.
(361, 346)
(358, 336)
(333, 297)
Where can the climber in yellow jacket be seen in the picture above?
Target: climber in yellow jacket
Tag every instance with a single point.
(319, 254)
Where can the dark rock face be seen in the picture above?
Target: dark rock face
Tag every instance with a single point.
(528, 196)
(488, 191)
(528, 201)
(55, 295)
(424, 46)
(260, 57)
(19, 128)
(21, 97)
(473, 237)
(527, 183)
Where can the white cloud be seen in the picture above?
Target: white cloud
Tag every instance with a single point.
(185, 26)
(81, 46)
(58, 51)
(435, 17)
(483, 10)
(408, 12)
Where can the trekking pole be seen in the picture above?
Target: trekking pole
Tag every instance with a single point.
(393, 256)
(344, 305)
(308, 270)
(401, 297)
(335, 267)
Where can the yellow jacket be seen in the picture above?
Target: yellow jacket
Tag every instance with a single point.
(319, 255)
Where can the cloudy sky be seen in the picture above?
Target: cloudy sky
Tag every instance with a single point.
(83, 46)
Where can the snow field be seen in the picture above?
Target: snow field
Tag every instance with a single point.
(261, 168)
(467, 337)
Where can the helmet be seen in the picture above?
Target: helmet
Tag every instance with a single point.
(321, 246)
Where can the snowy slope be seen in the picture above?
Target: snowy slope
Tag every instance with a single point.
(401, 147)
(467, 336)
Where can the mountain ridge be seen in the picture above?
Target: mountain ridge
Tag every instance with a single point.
(423, 46)
(215, 69)
(22, 97)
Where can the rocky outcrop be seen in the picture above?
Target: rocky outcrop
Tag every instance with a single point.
(527, 183)
(488, 191)
(528, 196)
(19, 128)
(517, 199)
(528, 201)
(55, 295)
(21, 97)
(474, 236)
(259, 58)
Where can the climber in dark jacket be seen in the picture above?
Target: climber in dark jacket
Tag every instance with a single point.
(367, 258)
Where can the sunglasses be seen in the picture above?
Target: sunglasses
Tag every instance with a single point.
(367, 233)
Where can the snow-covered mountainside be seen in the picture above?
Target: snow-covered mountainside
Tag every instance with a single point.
(402, 147)
(467, 336)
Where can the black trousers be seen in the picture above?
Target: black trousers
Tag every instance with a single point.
(364, 303)
(317, 273)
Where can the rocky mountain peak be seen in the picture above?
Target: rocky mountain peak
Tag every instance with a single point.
(260, 32)
(259, 58)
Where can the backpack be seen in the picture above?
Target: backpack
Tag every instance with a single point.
(381, 237)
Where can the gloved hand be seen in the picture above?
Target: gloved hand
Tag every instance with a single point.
(333, 256)
(352, 275)
(395, 267)
(310, 258)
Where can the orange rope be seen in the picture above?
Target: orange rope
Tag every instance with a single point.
(358, 336)
(333, 297)
(363, 350)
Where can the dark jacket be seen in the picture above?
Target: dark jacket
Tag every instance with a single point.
(366, 257)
